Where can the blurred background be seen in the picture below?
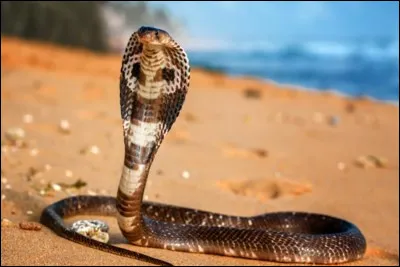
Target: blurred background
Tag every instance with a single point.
(349, 47)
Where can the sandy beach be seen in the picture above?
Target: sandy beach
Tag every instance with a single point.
(241, 146)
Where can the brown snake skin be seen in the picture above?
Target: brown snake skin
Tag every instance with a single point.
(154, 81)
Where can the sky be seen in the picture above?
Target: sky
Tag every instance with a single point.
(274, 20)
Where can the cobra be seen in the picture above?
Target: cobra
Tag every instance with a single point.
(154, 80)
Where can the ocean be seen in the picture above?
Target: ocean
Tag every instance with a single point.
(355, 69)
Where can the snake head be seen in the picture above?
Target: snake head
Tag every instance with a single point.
(153, 36)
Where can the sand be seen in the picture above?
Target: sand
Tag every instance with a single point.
(249, 147)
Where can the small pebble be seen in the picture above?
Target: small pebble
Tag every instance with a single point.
(47, 167)
(185, 174)
(318, 117)
(32, 226)
(94, 150)
(262, 153)
(65, 126)
(190, 117)
(8, 186)
(29, 212)
(69, 192)
(34, 152)
(91, 192)
(6, 223)
(252, 93)
(371, 161)
(341, 166)
(103, 192)
(3, 197)
(350, 107)
(56, 187)
(334, 120)
(4, 180)
(146, 197)
(27, 118)
(68, 173)
(14, 134)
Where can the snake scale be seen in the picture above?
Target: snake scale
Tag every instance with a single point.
(154, 80)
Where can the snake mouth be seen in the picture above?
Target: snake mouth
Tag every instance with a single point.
(153, 36)
(148, 40)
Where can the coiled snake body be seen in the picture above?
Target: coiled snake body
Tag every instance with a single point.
(154, 80)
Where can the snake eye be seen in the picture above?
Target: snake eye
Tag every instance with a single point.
(157, 36)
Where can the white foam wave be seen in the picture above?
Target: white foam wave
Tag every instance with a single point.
(373, 50)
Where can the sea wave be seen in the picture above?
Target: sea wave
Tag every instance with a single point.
(380, 49)
(353, 68)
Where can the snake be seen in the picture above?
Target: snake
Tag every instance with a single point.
(154, 81)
